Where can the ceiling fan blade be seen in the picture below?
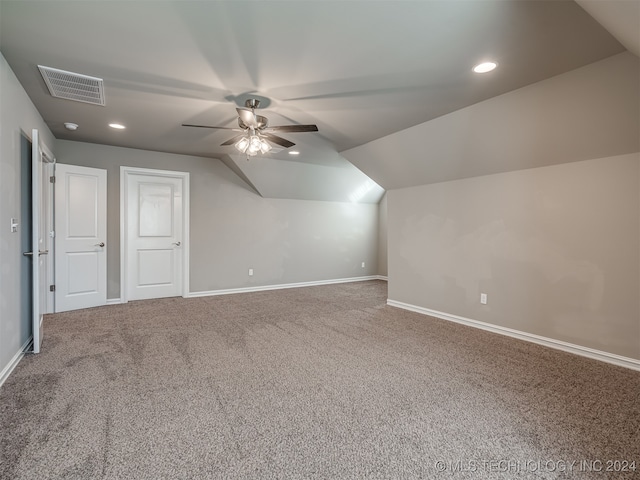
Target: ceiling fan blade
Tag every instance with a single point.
(233, 140)
(283, 142)
(210, 126)
(248, 117)
(292, 128)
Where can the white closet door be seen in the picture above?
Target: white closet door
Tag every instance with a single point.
(154, 236)
(81, 234)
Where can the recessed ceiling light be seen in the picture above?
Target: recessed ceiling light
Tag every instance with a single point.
(294, 152)
(485, 67)
(117, 126)
(71, 126)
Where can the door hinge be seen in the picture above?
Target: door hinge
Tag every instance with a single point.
(52, 179)
(52, 288)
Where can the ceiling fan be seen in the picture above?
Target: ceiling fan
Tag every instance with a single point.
(256, 132)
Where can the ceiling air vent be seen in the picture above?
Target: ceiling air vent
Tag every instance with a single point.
(73, 86)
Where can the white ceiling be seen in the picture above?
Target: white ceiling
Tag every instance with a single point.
(620, 17)
(360, 70)
(591, 112)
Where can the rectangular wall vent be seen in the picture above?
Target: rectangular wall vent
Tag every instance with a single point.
(73, 86)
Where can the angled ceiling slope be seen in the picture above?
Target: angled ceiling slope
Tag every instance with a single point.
(620, 17)
(340, 182)
(591, 112)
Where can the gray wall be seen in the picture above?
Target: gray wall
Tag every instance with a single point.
(234, 229)
(555, 248)
(382, 236)
(18, 117)
(531, 197)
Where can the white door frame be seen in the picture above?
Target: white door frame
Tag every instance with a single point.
(41, 167)
(48, 191)
(124, 260)
(51, 226)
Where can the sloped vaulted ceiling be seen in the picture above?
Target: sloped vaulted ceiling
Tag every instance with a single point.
(360, 70)
(620, 17)
(591, 112)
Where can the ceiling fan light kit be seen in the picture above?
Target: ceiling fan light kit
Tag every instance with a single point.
(252, 144)
(256, 131)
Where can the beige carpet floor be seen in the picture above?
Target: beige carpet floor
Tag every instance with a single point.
(318, 382)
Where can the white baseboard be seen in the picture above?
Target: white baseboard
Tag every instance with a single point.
(592, 353)
(113, 301)
(382, 277)
(262, 288)
(6, 371)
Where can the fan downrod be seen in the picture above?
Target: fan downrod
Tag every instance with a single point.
(252, 103)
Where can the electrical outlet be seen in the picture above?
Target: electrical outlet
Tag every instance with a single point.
(362, 264)
(483, 298)
(14, 225)
(251, 272)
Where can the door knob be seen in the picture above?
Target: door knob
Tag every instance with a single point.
(101, 244)
(177, 244)
(40, 252)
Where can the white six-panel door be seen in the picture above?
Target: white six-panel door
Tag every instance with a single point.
(81, 234)
(154, 234)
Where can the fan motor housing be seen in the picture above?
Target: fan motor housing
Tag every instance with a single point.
(261, 121)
